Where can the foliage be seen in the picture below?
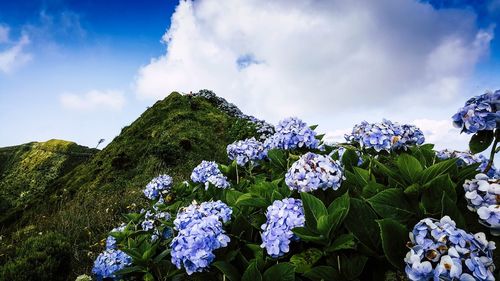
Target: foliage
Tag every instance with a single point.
(356, 230)
(40, 257)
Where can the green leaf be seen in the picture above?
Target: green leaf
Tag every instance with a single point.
(313, 127)
(324, 273)
(148, 277)
(343, 242)
(130, 269)
(394, 237)
(163, 254)
(392, 203)
(409, 167)
(361, 222)
(228, 269)
(306, 235)
(351, 266)
(277, 158)
(337, 211)
(350, 159)
(450, 208)
(305, 260)
(252, 273)
(232, 196)
(413, 190)
(434, 192)
(436, 170)
(313, 209)
(371, 189)
(480, 141)
(248, 199)
(280, 272)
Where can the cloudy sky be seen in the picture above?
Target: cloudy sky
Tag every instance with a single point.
(82, 70)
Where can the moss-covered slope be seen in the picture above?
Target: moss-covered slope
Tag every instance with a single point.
(28, 171)
(173, 136)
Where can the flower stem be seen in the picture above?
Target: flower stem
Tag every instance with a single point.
(237, 176)
(492, 154)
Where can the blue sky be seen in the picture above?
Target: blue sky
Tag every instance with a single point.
(82, 70)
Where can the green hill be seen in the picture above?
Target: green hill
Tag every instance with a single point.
(28, 171)
(79, 204)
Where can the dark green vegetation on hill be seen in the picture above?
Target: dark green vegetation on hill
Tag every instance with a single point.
(83, 196)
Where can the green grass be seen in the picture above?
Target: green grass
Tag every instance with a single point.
(172, 137)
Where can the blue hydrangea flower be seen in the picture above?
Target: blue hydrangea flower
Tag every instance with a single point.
(207, 172)
(385, 135)
(244, 151)
(314, 171)
(481, 191)
(282, 216)
(479, 113)
(292, 133)
(200, 232)
(110, 261)
(111, 241)
(490, 214)
(160, 184)
(465, 158)
(439, 250)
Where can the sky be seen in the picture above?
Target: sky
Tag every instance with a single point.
(82, 70)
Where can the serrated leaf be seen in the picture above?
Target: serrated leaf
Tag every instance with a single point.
(252, 273)
(313, 209)
(436, 170)
(283, 271)
(409, 167)
(324, 273)
(305, 260)
(228, 270)
(306, 235)
(248, 199)
(392, 203)
(394, 237)
(361, 222)
(343, 242)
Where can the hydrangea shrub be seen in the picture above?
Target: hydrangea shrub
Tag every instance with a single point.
(288, 206)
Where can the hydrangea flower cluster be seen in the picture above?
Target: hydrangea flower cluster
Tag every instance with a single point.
(385, 135)
(313, 171)
(483, 196)
(158, 185)
(441, 251)
(200, 232)
(479, 113)
(481, 191)
(465, 158)
(111, 241)
(153, 220)
(110, 261)
(208, 172)
(292, 133)
(245, 151)
(282, 216)
(264, 129)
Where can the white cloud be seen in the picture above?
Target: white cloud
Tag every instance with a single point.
(331, 62)
(110, 99)
(12, 55)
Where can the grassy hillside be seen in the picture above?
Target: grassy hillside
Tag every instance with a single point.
(28, 171)
(172, 137)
